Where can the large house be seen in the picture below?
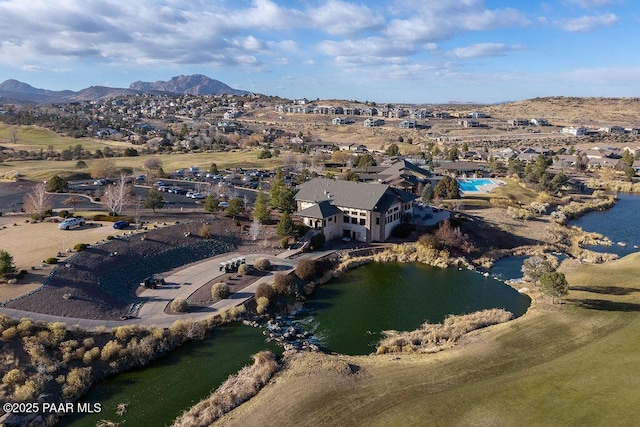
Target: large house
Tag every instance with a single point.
(359, 211)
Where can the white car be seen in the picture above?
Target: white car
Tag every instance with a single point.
(71, 223)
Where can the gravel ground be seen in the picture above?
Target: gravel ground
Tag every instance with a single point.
(102, 280)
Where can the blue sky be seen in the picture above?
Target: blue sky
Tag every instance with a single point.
(413, 51)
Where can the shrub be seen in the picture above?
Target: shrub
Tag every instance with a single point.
(306, 269)
(110, 351)
(244, 269)
(63, 213)
(110, 237)
(282, 283)
(262, 264)
(317, 242)
(13, 377)
(112, 217)
(51, 260)
(262, 304)
(402, 231)
(79, 247)
(204, 231)
(284, 242)
(264, 290)
(179, 305)
(89, 356)
(26, 391)
(429, 241)
(78, 379)
(220, 290)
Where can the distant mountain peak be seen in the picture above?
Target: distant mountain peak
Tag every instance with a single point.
(195, 84)
(13, 85)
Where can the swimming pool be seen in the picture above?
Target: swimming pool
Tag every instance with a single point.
(472, 185)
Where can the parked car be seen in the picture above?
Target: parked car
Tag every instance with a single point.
(198, 196)
(119, 225)
(153, 282)
(71, 223)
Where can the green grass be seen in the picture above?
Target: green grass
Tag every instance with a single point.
(36, 138)
(573, 364)
(39, 170)
(515, 192)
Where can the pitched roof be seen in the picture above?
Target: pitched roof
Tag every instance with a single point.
(357, 195)
(321, 210)
(350, 194)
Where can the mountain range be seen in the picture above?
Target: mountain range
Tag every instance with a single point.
(15, 91)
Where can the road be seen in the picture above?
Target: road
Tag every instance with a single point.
(11, 200)
(180, 284)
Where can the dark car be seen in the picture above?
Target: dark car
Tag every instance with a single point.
(119, 225)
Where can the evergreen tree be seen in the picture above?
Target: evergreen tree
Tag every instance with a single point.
(427, 193)
(554, 284)
(236, 206)
(211, 204)
(285, 226)
(6, 263)
(57, 184)
(447, 188)
(153, 200)
(260, 211)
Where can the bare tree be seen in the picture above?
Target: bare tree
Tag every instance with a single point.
(73, 201)
(138, 212)
(153, 168)
(38, 201)
(118, 195)
(103, 168)
(14, 135)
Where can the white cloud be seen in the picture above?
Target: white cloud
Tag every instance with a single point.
(483, 50)
(341, 18)
(365, 51)
(587, 4)
(430, 25)
(605, 76)
(588, 23)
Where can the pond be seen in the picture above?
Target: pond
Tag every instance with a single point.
(620, 224)
(348, 314)
(159, 392)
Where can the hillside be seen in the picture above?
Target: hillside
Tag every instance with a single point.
(572, 111)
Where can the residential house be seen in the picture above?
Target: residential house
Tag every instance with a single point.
(341, 121)
(615, 130)
(441, 115)
(371, 122)
(604, 162)
(575, 131)
(460, 167)
(519, 122)
(469, 123)
(477, 115)
(539, 122)
(365, 212)
(407, 124)
(402, 174)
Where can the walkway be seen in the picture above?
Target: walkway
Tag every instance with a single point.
(180, 284)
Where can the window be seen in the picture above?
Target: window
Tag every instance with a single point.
(330, 219)
(345, 219)
(362, 221)
(354, 220)
(377, 221)
(363, 213)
